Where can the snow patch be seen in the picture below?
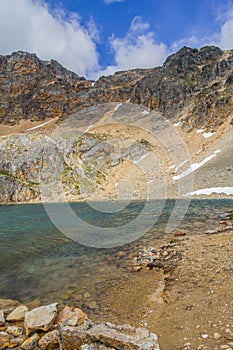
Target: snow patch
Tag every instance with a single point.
(39, 126)
(200, 131)
(206, 135)
(92, 84)
(226, 190)
(145, 112)
(177, 124)
(217, 151)
(193, 167)
(117, 106)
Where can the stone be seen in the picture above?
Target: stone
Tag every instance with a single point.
(107, 335)
(17, 314)
(92, 304)
(41, 318)
(217, 336)
(50, 339)
(7, 305)
(31, 343)
(15, 331)
(75, 315)
(204, 336)
(4, 340)
(2, 318)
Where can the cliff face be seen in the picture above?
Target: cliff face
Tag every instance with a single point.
(34, 89)
(194, 85)
(193, 89)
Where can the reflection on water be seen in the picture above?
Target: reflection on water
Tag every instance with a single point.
(36, 260)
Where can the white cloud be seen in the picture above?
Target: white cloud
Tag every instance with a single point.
(29, 25)
(137, 49)
(112, 1)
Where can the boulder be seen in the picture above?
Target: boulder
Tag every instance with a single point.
(73, 316)
(104, 335)
(50, 339)
(41, 318)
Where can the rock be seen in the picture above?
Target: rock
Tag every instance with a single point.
(107, 335)
(31, 343)
(179, 233)
(7, 305)
(204, 336)
(87, 295)
(41, 318)
(4, 340)
(217, 336)
(15, 331)
(92, 304)
(51, 339)
(17, 314)
(2, 318)
(75, 315)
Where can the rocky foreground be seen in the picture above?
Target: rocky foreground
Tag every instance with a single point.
(45, 327)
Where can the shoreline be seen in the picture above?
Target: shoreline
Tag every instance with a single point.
(189, 198)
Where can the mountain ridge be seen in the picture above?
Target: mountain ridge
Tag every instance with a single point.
(180, 113)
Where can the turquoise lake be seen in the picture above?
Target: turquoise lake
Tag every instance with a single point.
(38, 261)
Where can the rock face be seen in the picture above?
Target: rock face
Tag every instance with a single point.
(196, 83)
(34, 89)
(79, 163)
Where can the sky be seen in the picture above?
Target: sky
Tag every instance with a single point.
(100, 37)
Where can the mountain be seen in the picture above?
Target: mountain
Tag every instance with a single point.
(165, 131)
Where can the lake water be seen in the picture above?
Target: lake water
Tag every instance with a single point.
(38, 261)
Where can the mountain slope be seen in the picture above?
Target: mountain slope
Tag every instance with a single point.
(168, 133)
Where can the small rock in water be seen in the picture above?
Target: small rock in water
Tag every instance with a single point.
(17, 314)
(92, 305)
(87, 295)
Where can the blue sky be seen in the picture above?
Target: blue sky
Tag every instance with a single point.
(96, 37)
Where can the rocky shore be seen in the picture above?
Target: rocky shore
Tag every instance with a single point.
(45, 327)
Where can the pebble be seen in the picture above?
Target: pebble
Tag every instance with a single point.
(205, 336)
(217, 336)
(87, 295)
(92, 305)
